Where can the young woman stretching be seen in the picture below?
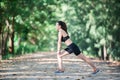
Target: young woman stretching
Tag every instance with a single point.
(71, 48)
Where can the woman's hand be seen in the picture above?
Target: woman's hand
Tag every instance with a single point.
(58, 52)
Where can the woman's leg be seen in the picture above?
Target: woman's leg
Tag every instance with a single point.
(59, 57)
(87, 60)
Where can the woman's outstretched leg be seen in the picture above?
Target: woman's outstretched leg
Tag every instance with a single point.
(87, 60)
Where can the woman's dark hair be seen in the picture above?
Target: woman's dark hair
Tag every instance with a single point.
(63, 25)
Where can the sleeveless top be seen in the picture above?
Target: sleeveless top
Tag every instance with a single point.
(65, 38)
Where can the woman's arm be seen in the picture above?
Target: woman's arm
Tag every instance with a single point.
(59, 41)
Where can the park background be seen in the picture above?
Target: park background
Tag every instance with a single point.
(28, 26)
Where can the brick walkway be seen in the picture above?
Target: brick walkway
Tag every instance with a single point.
(41, 66)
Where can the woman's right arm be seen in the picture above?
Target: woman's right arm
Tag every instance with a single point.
(59, 41)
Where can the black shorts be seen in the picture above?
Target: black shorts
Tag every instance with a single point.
(73, 48)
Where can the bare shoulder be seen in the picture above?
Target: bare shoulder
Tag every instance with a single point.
(63, 32)
(60, 32)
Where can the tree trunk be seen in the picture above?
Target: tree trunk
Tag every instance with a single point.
(105, 52)
(11, 38)
(0, 41)
(104, 55)
(5, 39)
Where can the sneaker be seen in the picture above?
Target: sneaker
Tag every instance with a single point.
(58, 71)
(97, 70)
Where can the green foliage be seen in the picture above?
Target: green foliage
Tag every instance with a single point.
(91, 23)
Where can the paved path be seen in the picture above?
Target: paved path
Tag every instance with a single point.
(41, 66)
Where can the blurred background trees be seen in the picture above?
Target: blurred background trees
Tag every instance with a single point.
(27, 26)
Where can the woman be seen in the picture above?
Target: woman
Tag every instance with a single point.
(71, 48)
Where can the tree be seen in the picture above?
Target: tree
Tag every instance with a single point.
(21, 21)
(91, 25)
(27, 26)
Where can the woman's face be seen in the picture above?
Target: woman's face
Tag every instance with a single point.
(58, 26)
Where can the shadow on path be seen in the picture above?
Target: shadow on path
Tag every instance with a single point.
(41, 66)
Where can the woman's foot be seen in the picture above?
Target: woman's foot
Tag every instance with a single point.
(96, 71)
(59, 71)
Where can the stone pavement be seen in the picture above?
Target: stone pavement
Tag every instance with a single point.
(41, 66)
